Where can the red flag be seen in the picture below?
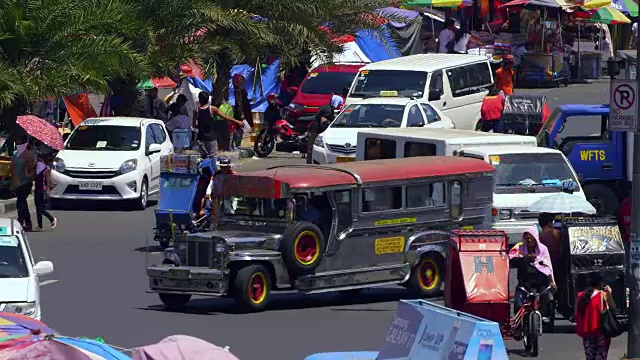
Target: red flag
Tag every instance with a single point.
(79, 107)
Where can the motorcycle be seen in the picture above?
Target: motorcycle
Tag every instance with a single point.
(293, 137)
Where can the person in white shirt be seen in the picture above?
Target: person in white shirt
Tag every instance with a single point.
(463, 35)
(634, 32)
(447, 36)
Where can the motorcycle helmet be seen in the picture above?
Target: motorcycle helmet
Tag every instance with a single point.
(273, 99)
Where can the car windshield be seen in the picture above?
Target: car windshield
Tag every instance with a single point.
(370, 115)
(327, 82)
(104, 137)
(12, 261)
(547, 170)
(406, 83)
(255, 207)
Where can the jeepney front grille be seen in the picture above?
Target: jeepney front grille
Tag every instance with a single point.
(526, 215)
(198, 253)
(342, 149)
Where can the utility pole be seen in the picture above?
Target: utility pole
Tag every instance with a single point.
(633, 264)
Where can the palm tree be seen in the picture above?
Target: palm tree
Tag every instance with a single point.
(56, 48)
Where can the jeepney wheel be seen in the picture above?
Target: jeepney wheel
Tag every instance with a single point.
(174, 301)
(427, 276)
(252, 287)
(302, 248)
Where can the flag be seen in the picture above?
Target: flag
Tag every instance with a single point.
(79, 107)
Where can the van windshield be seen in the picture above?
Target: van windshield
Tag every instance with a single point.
(544, 172)
(370, 83)
(327, 82)
(370, 115)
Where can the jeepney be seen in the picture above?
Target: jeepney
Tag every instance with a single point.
(316, 229)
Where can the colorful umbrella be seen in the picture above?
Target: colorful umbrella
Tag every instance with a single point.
(626, 6)
(63, 348)
(160, 83)
(182, 347)
(610, 16)
(543, 3)
(417, 4)
(41, 130)
(595, 4)
(16, 329)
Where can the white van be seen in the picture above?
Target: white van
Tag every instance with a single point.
(525, 173)
(454, 83)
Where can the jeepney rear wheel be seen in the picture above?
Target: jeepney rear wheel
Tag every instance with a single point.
(252, 288)
(302, 248)
(174, 301)
(427, 276)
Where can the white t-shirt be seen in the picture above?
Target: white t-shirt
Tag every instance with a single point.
(634, 29)
(461, 45)
(446, 36)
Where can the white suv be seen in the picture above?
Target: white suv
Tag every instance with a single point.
(111, 159)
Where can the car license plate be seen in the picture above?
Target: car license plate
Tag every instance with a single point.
(345, 159)
(90, 185)
(179, 273)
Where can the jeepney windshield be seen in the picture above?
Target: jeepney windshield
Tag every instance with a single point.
(544, 172)
(255, 207)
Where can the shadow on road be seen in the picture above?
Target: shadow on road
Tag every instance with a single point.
(97, 205)
(297, 301)
(149, 249)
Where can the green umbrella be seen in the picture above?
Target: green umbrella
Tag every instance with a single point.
(145, 85)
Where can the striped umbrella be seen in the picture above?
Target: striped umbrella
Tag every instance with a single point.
(160, 83)
(610, 16)
(594, 4)
(52, 347)
(421, 4)
(629, 7)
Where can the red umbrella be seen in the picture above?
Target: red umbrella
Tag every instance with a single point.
(41, 130)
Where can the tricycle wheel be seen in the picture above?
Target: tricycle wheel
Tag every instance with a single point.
(427, 276)
(302, 247)
(252, 288)
(531, 337)
(174, 301)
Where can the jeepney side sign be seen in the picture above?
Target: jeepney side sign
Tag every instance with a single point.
(247, 186)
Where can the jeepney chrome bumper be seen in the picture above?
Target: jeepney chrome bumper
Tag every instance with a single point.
(189, 280)
(514, 229)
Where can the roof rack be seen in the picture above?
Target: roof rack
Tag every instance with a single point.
(355, 176)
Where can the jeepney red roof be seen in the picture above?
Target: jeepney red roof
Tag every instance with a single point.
(309, 177)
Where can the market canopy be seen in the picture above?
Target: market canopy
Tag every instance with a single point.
(417, 4)
(610, 16)
(629, 7)
(160, 83)
(594, 4)
(543, 3)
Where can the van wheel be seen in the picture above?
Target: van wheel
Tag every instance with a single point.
(427, 276)
(302, 247)
(252, 287)
(174, 301)
(602, 198)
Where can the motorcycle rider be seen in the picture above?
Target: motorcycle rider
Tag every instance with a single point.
(323, 118)
(272, 113)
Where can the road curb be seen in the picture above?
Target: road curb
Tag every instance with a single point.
(242, 153)
(10, 205)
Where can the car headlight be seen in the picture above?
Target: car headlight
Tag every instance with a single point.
(58, 165)
(319, 142)
(504, 214)
(26, 308)
(296, 107)
(128, 166)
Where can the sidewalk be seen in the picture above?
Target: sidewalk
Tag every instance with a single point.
(246, 152)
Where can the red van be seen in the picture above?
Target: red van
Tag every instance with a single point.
(318, 86)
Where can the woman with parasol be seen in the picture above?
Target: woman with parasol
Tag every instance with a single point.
(23, 167)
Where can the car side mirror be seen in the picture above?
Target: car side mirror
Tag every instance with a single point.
(154, 148)
(43, 268)
(293, 89)
(434, 95)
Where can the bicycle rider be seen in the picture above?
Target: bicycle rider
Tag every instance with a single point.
(535, 270)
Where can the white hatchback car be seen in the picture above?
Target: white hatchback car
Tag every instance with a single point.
(116, 158)
(338, 142)
(19, 274)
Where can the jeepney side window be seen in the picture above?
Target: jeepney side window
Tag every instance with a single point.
(377, 149)
(412, 149)
(345, 217)
(382, 199)
(425, 195)
(456, 200)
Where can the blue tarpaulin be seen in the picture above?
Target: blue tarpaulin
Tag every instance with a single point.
(258, 95)
(205, 85)
(373, 48)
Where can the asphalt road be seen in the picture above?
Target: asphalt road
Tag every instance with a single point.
(98, 289)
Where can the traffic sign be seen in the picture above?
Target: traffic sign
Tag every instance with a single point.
(624, 105)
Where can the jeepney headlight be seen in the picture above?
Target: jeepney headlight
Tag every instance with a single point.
(319, 142)
(504, 214)
(220, 247)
